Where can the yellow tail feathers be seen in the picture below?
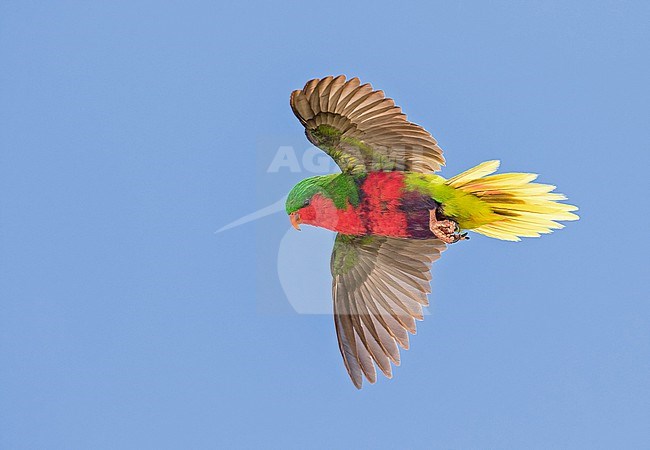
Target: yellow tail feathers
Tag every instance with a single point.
(521, 208)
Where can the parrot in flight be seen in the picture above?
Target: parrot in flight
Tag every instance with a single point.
(394, 216)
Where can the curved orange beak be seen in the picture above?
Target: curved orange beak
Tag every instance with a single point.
(295, 220)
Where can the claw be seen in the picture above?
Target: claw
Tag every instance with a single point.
(461, 237)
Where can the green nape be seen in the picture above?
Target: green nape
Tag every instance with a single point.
(340, 188)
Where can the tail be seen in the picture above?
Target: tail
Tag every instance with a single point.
(520, 207)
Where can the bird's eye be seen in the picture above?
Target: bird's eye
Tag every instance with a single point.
(306, 203)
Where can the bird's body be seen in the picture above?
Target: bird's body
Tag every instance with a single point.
(394, 217)
(399, 204)
(391, 204)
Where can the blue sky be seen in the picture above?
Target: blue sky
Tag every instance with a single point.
(131, 131)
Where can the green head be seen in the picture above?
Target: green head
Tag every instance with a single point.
(301, 194)
(341, 188)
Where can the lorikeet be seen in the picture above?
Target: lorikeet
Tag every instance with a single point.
(394, 216)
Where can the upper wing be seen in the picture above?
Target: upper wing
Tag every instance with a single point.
(379, 287)
(361, 129)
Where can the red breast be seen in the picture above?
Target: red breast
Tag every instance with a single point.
(378, 213)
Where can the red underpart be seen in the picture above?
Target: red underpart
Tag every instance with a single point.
(382, 200)
(378, 213)
(322, 212)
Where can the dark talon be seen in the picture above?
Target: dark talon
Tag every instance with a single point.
(461, 237)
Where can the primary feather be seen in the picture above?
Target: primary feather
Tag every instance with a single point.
(361, 129)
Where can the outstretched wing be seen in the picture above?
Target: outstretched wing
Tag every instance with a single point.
(379, 287)
(362, 130)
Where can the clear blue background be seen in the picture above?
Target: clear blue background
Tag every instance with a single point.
(129, 134)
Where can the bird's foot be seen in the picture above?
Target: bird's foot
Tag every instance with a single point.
(445, 230)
